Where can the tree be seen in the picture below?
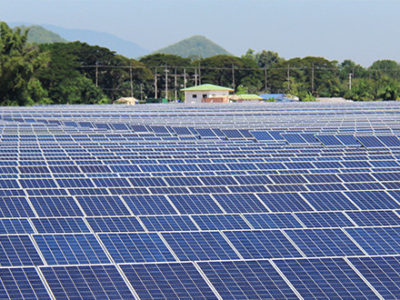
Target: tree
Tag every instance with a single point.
(386, 67)
(267, 59)
(19, 63)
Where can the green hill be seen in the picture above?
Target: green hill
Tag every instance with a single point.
(39, 35)
(195, 46)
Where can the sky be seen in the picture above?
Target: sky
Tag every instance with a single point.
(361, 30)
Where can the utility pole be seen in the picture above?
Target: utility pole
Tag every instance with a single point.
(97, 74)
(288, 77)
(195, 76)
(141, 91)
(155, 84)
(350, 75)
(130, 78)
(175, 85)
(166, 83)
(265, 79)
(233, 76)
(199, 74)
(184, 78)
(312, 80)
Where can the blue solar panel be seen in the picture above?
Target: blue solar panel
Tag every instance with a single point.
(190, 246)
(270, 221)
(374, 218)
(240, 203)
(102, 205)
(324, 219)
(168, 223)
(60, 225)
(324, 242)
(71, 249)
(262, 244)
(378, 240)
(285, 179)
(348, 140)
(21, 283)
(382, 272)
(294, 138)
(372, 200)
(18, 250)
(149, 205)
(284, 202)
(115, 224)
(195, 204)
(217, 212)
(55, 206)
(329, 140)
(325, 278)
(15, 207)
(246, 280)
(389, 140)
(136, 247)
(86, 282)
(168, 281)
(262, 135)
(370, 141)
(329, 201)
(220, 222)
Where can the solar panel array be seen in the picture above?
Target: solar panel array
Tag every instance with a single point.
(293, 200)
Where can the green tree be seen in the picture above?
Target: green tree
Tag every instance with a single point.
(19, 63)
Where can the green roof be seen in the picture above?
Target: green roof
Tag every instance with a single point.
(207, 87)
(249, 97)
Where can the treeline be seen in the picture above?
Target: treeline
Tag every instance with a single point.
(77, 73)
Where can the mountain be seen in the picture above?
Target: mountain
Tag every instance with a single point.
(39, 35)
(196, 45)
(110, 41)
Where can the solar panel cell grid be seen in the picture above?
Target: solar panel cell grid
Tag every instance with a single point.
(264, 201)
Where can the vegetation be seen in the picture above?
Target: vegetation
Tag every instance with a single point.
(39, 35)
(75, 73)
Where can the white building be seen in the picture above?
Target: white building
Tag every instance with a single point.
(206, 93)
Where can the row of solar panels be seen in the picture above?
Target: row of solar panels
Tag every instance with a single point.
(352, 277)
(193, 222)
(133, 247)
(105, 205)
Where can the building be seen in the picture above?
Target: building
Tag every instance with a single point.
(279, 97)
(207, 93)
(247, 97)
(126, 100)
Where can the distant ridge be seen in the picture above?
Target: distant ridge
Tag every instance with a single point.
(39, 35)
(110, 41)
(195, 46)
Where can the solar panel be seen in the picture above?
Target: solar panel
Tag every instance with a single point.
(263, 201)
(220, 222)
(18, 250)
(168, 281)
(247, 280)
(382, 273)
(168, 223)
(21, 283)
(96, 282)
(190, 246)
(136, 247)
(262, 244)
(284, 202)
(326, 278)
(71, 249)
(377, 240)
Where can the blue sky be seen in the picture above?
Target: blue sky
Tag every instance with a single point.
(362, 30)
